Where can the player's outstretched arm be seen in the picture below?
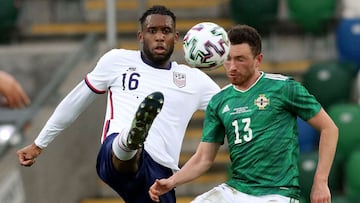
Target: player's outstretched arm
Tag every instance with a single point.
(65, 113)
(27, 155)
(198, 164)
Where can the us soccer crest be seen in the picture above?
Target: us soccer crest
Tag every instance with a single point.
(261, 102)
(179, 79)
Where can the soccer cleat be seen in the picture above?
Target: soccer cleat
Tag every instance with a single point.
(148, 109)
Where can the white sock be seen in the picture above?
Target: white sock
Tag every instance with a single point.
(121, 151)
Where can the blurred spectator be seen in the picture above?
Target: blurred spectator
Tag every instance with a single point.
(11, 92)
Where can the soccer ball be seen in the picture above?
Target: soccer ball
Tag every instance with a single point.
(206, 46)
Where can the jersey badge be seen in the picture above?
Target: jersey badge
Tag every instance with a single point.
(261, 102)
(179, 79)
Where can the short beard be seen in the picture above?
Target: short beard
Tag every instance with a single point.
(160, 60)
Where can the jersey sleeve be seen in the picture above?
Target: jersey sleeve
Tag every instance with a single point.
(65, 113)
(300, 101)
(100, 78)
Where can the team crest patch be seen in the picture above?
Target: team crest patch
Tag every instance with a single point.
(179, 79)
(261, 102)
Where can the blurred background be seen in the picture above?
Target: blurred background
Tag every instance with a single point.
(49, 46)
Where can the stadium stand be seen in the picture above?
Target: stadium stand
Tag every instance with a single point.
(347, 39)
(352, 179)
(54, 24)
(314, 17)
(308, 137)
(331, 81)
(347, 118)
(94, 17)
(258, 13)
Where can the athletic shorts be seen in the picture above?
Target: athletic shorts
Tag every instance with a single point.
(133, 187)
(226, 194)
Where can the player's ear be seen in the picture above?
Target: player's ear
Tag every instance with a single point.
(176, 38)
(259, 58)
(140, 36)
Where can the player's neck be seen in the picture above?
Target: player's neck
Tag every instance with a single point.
(250, 82)
(165, 65)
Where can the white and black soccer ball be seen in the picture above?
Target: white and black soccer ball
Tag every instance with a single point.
(206, 46)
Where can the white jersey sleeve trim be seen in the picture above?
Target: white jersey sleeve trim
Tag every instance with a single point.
(65, 113)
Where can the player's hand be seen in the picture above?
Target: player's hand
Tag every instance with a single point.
(159, 188)
(27, 155)
(13, 93)
(320, 192)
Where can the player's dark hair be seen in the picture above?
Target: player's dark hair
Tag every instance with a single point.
(157, 9)
(240, 34)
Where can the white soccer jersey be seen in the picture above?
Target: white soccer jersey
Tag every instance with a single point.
(128, 80)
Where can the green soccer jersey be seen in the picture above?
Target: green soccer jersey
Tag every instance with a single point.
(261, 131)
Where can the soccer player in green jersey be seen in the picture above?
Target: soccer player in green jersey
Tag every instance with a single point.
(257, 114)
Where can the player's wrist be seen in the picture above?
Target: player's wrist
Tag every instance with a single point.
(320, 179)
(36, 148)
(172, 183)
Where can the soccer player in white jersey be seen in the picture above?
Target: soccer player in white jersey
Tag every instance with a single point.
(257, 113)
(149, 97)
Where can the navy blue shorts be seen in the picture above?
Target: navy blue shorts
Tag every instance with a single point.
(134, 187)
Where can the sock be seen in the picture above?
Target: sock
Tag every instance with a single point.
(120, 149)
